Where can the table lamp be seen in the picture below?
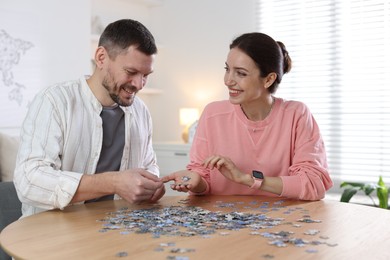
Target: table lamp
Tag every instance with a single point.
(188, 116)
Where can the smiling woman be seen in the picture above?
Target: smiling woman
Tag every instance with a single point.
(255, 132)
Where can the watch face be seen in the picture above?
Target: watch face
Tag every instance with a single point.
(257, 174)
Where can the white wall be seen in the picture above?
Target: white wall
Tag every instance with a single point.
(56, 34)
(195, 35)
(112, 10)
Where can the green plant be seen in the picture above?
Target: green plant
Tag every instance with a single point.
(382, 191)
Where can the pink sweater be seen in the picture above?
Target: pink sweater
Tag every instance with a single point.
(287, 143)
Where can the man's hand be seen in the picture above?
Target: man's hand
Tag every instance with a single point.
(138, 185)
(158, 194)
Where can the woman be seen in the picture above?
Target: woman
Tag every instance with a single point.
(256, 143)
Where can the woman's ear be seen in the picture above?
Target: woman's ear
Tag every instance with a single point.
(270, 79)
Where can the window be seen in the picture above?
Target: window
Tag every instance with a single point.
(341, 70)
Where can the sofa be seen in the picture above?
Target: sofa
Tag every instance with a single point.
(8, 149)
(10, 206)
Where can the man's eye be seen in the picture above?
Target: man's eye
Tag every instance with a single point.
(128, 72)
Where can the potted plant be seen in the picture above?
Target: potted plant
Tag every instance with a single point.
(382, 191)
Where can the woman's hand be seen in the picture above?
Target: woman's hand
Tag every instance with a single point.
(185, 181)
(228, 169)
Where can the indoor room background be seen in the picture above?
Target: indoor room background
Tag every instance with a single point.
(44, 41)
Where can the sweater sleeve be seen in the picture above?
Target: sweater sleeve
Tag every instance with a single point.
(308, 177)
(199, 151)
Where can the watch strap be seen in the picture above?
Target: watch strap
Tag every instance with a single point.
(256, 185)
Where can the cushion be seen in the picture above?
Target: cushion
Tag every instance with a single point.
(9, 146)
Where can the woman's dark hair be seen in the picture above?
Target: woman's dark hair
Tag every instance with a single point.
(121, 34)
(268, 54)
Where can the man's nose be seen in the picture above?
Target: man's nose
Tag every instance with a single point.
(138, 81)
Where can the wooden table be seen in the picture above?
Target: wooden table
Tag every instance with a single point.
(346, 231)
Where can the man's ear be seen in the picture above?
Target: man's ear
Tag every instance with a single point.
(270, 79)
(100, 56)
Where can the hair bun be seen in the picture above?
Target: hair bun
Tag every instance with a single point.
(287, 63)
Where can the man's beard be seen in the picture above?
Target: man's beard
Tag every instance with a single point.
(119, 102)
(116, 97)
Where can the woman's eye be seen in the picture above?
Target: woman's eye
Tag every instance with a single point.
(241, 74)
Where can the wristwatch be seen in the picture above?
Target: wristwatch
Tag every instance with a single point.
(258, 177)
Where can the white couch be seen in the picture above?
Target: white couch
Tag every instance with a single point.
(8, 149)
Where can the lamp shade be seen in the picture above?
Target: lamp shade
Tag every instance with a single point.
(188, 116)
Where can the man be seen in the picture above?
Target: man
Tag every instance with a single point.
(77, 129)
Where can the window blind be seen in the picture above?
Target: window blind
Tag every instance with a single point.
(341, 70)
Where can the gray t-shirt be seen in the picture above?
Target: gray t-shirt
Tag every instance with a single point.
(113, 139)
(113, 143)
